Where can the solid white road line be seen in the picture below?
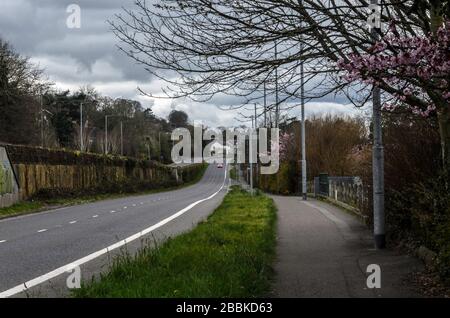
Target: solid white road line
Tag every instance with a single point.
(43, 230)
(68, 268)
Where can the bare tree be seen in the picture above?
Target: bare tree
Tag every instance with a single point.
(205, 47)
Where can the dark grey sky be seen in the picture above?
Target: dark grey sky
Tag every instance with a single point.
(88, 56)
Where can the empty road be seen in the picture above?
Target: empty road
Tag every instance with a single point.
(35, 249)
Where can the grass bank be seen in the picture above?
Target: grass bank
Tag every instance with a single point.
(228, 255)
(39, 204)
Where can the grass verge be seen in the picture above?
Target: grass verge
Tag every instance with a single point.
(21, 208)
(38, 205)
(228, 255)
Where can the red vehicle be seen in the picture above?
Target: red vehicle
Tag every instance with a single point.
(220, 165)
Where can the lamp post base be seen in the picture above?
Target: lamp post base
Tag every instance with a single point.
(380, 241)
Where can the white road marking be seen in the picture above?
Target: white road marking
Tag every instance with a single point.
(95, 216)
(134, 204)
(112, 211)
(72, 222)
(2, 241)
(41, 231)
(142, 203)
(63, 269)
(125, 207)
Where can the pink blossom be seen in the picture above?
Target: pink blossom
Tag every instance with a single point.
(418, 63)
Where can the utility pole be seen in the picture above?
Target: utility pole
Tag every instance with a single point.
(302, 98)
(42, 120)
(121, 138)
(250, 156)
(377, 159)
(106, 134)
(256, 159)
(160, 149)
(81, 126)
(277, 106)
(265, 106)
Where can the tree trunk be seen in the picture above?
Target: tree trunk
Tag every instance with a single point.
(444, 130)
(436, 17)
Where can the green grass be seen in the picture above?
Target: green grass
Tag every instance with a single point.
(21, 208)
(38, 205)
(228, 255)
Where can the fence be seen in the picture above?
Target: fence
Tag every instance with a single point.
(347, 190)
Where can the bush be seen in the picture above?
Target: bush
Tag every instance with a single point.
(420, 213)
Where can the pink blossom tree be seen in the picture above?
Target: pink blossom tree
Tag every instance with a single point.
(414, 71)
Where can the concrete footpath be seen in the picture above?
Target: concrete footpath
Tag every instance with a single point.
(323, 251)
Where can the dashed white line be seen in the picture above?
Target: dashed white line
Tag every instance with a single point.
(63, 269)
(134, 204)
(125, 207)
(41, 231)
(95, 216)
(112, 211)
(2, 241)
(72, 222)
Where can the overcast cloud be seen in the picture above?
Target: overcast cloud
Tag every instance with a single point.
(88, 56)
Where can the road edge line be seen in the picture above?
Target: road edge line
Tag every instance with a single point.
(69, 267)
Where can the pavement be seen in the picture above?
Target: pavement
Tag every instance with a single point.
(36, 249)
(325, 252)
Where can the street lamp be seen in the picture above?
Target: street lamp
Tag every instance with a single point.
(377, 160)
(81, 126)
(106, 134)
(88, 98)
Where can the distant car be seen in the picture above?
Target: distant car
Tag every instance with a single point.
(220, 165)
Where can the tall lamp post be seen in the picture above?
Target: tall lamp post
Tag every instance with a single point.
(81, 126)
(121, 138)
(106, 134)
(377, 156)
(303, 142)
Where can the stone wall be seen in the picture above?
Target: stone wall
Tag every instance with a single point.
(60, 171)
(9, 190)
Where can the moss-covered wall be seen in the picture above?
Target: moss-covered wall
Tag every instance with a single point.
(46, 170)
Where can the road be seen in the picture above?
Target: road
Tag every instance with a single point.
(325, 252)
(36, 249)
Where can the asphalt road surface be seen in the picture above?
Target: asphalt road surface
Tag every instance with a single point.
(35, 249)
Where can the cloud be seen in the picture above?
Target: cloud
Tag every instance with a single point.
(89, 56)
